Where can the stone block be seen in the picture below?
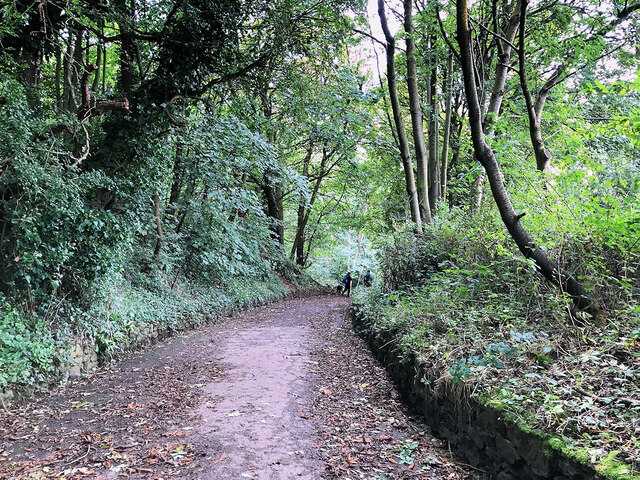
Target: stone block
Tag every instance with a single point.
(505, 476)
(506, 450)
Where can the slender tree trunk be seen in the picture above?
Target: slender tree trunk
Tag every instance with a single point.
(534, 111)
(548, 267)
(274, 209)
(176, 181)
(104, 68)
(502, 69)
(58, 77)
(128, 49)
(422, 163)
(434, 167)
(96, 79)
(158, 216)
(297, 249)
(399, 122)
(68, 95)
(497, 92)
(300, 235)
(272, 191)
(446, 134)
(77, 66)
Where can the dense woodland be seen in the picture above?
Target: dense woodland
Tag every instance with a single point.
(163, 160)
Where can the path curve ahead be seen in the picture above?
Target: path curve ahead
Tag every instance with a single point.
(279, 392)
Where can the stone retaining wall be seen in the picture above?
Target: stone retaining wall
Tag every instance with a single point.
(84, 354)
(478, 432)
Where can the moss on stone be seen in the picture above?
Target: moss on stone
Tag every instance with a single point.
(608, 467)
(614, 469)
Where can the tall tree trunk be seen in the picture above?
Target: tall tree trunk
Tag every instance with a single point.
(300, 235)
(548, 267)
(534, 112)
(502, 68)
(69, 102)
(58, 77)
(176, 182)
(96, 79)
(272, 190)
(446, 133)
(503, 65)
(399, 122)
(158, 216)
(434, 166)
(274, 209)
(128, 48)
(534, 109)
(297, 249)
(422, 163)
(77, 66)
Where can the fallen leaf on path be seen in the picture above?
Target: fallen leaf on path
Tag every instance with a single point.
(222, 457)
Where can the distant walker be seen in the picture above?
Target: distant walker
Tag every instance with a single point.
(346, 282)
(368, 279)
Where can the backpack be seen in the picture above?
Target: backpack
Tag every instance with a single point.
(344, 280)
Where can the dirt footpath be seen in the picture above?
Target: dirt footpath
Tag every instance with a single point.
(280, 392)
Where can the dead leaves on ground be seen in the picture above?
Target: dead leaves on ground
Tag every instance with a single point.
(365, 430)
(130, 430)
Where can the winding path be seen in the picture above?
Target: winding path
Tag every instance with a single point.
(279, 392)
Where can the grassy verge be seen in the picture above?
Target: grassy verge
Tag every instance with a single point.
(489, 321)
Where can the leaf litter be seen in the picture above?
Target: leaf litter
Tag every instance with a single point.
(138, 417)
(366, 432)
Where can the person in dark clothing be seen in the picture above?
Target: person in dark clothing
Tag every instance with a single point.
(368, 279)
(347, 284)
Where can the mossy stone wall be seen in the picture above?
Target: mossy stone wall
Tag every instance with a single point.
(479, 433)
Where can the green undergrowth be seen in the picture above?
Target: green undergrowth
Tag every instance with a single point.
(34, 344)
(479, 313)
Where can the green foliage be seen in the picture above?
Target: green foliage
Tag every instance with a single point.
(459, 299)
(27, 348)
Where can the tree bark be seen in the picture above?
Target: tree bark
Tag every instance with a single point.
(128, 49)
(272, 191)
(534, 112)
(504, 46)
(159, 231)
(399, 122)
(58, 76)
(502, 68)
(446, 133)
(548, 267)
(96, 79)
(434, 164)
(68, 95)
(297, 249)
(422, 162)
(274, 209)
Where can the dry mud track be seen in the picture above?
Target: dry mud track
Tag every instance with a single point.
(284, 391)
